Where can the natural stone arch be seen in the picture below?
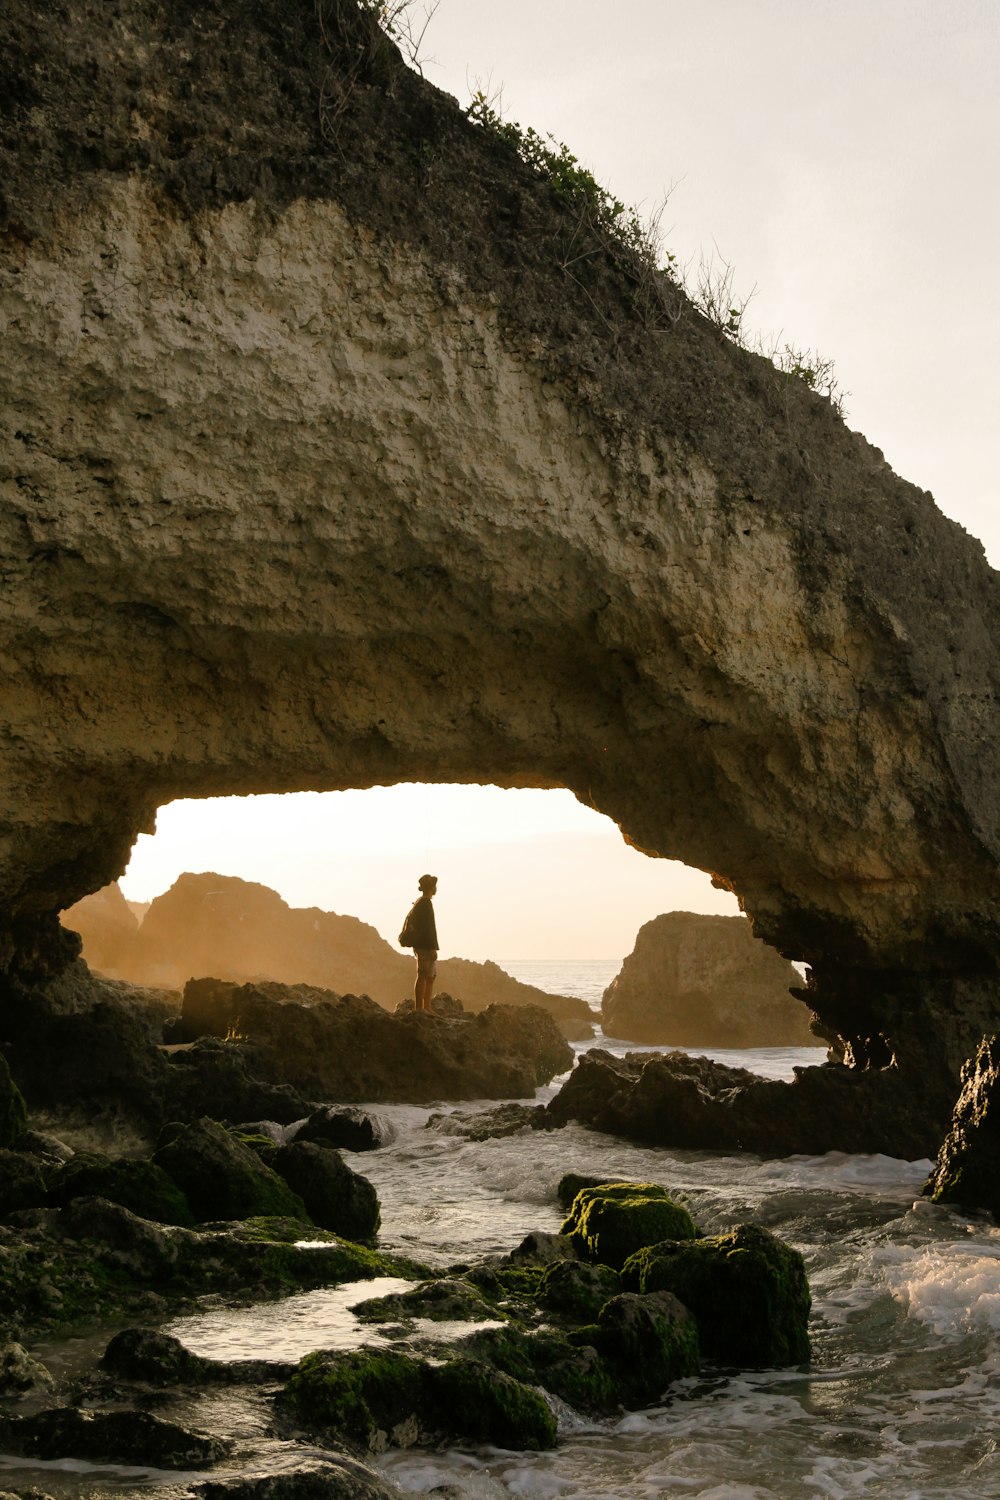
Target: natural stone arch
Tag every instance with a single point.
(321, 471)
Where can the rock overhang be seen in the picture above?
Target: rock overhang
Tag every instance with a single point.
(321, 471)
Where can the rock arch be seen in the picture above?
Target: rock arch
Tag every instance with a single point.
(322, 470)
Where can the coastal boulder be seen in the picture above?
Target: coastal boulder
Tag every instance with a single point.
(335, 1197)
(704, 981)
(649, 1341)
(347, 1129)
(610, 1222)
(222, 1178)
(139, 1185)
(373, 1398)
(747, 1289)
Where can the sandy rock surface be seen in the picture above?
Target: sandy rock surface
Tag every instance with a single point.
(703, 981)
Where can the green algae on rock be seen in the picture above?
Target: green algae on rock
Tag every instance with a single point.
(140, 1185)
(374, 1398)
(222, 1178)
(610, 1222)
(650, 1340)
(747, 1290)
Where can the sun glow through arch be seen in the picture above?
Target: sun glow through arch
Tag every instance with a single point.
(524, 873)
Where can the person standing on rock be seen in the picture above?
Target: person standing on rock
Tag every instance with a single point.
(420, 933)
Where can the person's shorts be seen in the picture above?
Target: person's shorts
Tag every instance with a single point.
(427, 963)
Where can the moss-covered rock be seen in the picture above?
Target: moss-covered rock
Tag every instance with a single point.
(572, 1183)
(747, 1290)
(13, 1114)
(371, 1398)
(473, 1402)
(445, 1299)
(577, 1289)
(649, 1341)
(335, 1197)
(139, 1185)
(22, 1183)
(569, 1368)
(222, 1178)
(610, 1222)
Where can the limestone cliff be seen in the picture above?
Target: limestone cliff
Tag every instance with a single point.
(338, 450)
(702, 981)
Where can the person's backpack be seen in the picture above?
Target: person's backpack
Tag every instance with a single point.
(406, 936)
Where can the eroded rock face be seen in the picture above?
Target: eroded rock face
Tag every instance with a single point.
(292, 349)
(703, 981)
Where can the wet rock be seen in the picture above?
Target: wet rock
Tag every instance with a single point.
(371, 1399)
(748, 1292)
(47, 1148)
(488, 1124)
(609, 1223)
(141, 1186)
(156, 1358)
(542, 1248)
(705, 981)
(222, 1178)
(577, 1289)
(13, 1114)
(335, 1197)
(149, 1357)
(674, 1099)
(332, 1479)
(570, 1184)
(566, 1365)
(967, 1170)
(445, 1299)
(347, 1129)
(218, 1078)
(649, 1341)
(22, 1183)
(348, 1049)
(117, 1437)
(20, 1374)
(146, 1252)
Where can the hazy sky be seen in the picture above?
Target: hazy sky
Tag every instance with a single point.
(843, 155)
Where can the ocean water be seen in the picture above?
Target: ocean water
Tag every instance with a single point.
(901, 1398)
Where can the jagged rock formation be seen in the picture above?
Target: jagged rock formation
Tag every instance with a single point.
(345, 1048)
(702, 981)
(238, 930)
(337, 450)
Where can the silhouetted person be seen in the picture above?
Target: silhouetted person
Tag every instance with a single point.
(420, 933)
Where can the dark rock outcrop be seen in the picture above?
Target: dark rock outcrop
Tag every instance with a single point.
(119, 1437)
(674, 1099)
(348, 1129)
(347, 1048)
(335, 1197)
(703, 981)
(967, 1170)
(221, 1178)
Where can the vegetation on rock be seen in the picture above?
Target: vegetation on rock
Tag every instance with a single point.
(610, 1222)
(747, 1290)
